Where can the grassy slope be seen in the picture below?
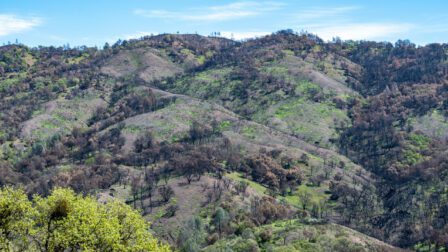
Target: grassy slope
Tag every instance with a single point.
(293, 235)
(62, 115)
(317, 193)
(148, 64)
(297, 113)
(172, 123)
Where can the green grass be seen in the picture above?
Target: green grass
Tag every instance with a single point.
(186, 51)
(276, 70)
(207, 84)
(163, 129)
(302, 107)
(300, 237)
(433, 124)
(135, 59)
(132, 129)
(412, 157)
(6, 152)
(249, 131)
(415, 146)
(201, 60)
(2, 134)
(65, 167)
(306, 87)
(288, 52)
(122, 193)
(317, 195)
(224, 125)
(288, 109)
(254, 185)
(77, 60)
(50, 124)
(298, 113)
(65, 115)
(7, 83)
(420, 141)
(313, 121)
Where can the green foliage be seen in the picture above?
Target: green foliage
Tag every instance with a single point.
(15, 59)
(66, 221)
(307, 88)
(254, 185)
(192, 235)
(249, 131)
(411, 157)
(224, 125)
(67, 114)
(16, 218)
(207, 84)
(313, 121)
(343, 244)
(420, 141)
(37, 148)
(292, 235)
(9, 83)
(317, 194)
(221, 219)
(240, 245)
(433, 124)
(201, 59)
(415, 147)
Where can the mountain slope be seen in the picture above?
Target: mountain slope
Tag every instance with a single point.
(312, 127)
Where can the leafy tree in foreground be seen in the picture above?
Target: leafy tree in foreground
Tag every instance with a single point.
(65, 221)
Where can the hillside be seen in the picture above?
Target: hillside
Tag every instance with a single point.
(276, 137)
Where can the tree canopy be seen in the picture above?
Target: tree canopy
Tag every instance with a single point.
(65, 221)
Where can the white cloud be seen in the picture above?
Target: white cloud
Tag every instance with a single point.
(214, 13)
(361, 31)
(332, 22)
(243, 35)
(10, 24)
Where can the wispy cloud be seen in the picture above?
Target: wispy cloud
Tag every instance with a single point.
(214, 13)
(360, 31)
(331, 22)
(243, 35)
(318, 13)
(10, 24)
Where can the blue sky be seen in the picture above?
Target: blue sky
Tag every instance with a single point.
(94, 22)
